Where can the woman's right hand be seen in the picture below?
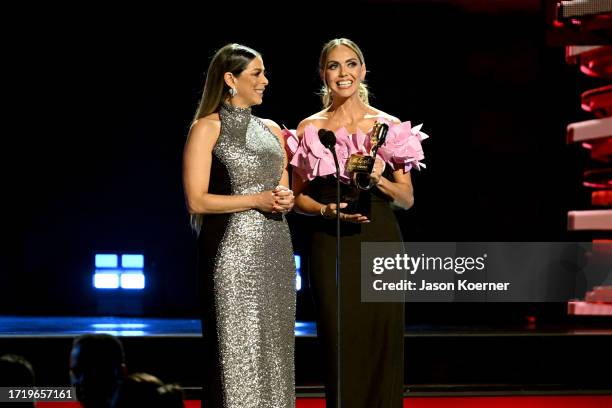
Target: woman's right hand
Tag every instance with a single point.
(329, 211)
(265, 201)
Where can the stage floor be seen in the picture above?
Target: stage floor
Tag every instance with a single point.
(72, 326)
(28, 326)
(439, 360)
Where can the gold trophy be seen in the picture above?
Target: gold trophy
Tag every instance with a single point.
(361, 166)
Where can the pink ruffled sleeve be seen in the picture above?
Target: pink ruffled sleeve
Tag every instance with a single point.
(291, 142)
(403, 149)
(310, 158)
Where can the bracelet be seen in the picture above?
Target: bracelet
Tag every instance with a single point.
(322, 211)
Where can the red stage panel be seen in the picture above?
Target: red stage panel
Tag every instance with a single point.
(589, 309)
(589, 130)
(602, 150)
(590, 220)
(598, 101)
(511, 402)
(594, 60)
(587, 401)
(602, 198)
(600, 294)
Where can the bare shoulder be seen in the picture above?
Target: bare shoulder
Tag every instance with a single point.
(205, 130)
(380, 114)
(316, 120)
(210, 124)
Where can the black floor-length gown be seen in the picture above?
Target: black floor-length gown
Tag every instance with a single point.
(372, 334)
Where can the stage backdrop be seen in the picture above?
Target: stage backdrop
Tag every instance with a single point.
(101, 101)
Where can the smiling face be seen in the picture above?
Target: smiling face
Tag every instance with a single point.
(343, 71)
(250, 84)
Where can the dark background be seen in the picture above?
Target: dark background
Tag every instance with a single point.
(98, 102)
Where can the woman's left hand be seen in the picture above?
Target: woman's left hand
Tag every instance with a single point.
(284, 199)
(379, 167)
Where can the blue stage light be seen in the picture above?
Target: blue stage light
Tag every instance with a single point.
(110, 275)
(108, 279)
(120, 326)
(132, 261)
(298, 276)
(132, 280)
(122, 333)
(106, 261)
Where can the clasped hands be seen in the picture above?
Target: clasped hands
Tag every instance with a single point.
(283, 199)
(279, 200)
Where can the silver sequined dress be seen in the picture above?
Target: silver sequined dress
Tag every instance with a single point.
(248, 275)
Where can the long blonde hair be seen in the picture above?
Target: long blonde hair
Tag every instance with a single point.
(232, 58)
(326, 97)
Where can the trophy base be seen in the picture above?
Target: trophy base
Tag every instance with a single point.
(323, 189)
(359, 202)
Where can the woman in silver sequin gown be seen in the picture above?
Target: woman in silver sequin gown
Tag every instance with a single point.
(235, 181)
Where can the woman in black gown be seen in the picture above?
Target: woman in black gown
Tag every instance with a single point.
(372, 334)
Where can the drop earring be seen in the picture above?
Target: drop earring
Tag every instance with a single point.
(233, 92)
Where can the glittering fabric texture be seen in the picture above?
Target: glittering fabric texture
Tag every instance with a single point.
(254, 276)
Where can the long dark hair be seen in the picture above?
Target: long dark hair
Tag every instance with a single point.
(232, 58)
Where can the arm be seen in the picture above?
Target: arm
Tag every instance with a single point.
(284, 197)
(304, 204)
(197, 160)
(399, 190)
(274, 128)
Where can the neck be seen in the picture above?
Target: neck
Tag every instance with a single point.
(233, 107)
(236, 103)
(347, 110)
